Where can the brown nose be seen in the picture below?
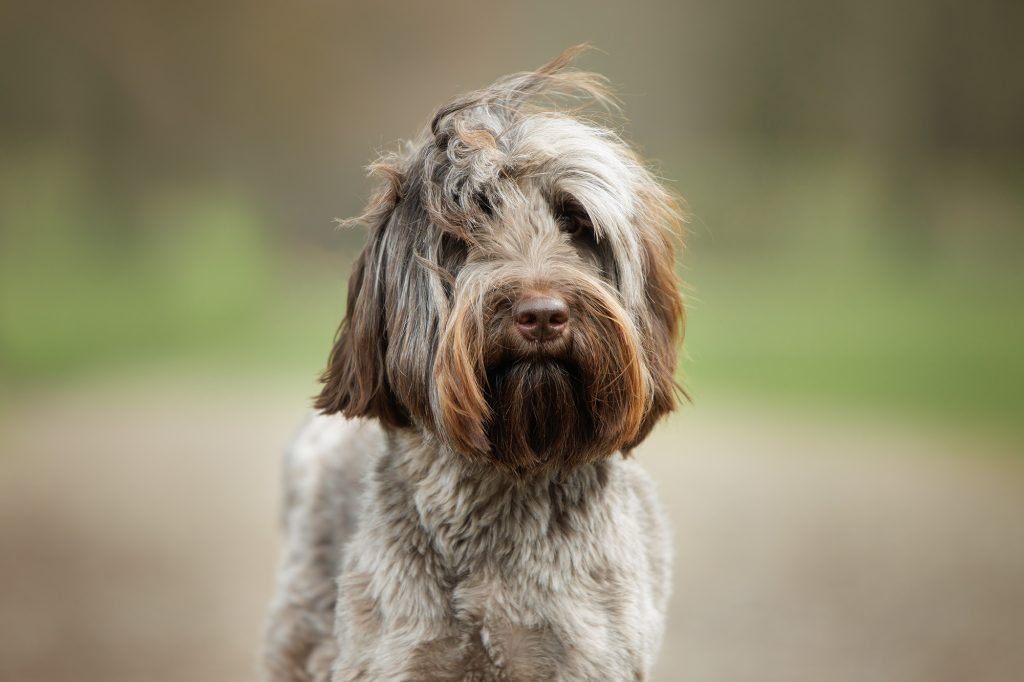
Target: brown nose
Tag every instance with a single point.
(541, 317)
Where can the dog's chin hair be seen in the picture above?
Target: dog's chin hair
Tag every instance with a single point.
(541, 419)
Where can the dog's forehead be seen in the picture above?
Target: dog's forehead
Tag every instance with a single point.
(558, 156)
(577, 158)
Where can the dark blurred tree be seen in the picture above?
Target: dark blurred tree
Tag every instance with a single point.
(281, 98)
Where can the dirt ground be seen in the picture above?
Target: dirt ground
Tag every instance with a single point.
(138, 538)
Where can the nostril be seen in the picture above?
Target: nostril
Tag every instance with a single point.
(526, 319)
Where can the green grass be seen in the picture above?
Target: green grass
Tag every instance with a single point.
(825, 317)
(939, 342)
(187, 279)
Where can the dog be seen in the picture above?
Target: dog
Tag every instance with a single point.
(464, 506)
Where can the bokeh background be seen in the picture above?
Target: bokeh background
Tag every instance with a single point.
(847, 488)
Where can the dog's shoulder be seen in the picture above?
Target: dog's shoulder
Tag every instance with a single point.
(654, 529)
(332, 436)
(637, 479)
(329, 453)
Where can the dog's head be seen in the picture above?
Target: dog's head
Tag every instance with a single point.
(517, 297)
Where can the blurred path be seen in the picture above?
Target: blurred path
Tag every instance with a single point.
(138, 541)
(814, 552)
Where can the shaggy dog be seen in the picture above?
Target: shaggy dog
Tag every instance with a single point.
(511, 335)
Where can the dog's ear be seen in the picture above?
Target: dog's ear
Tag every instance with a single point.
(662, 223)
(355, 382)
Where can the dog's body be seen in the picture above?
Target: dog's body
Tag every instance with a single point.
(511, 331)
(462, 576)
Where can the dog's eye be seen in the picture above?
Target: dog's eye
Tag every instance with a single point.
(572, 218)
(453, 253)
(570, 226)
(484, 202)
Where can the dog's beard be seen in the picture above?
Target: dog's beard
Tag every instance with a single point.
(529, 409)
(540, 416)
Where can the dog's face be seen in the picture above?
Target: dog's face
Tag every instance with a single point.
(517, 298)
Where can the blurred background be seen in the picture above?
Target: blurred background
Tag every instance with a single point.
(847, 488)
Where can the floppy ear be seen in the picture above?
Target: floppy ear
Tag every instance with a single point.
(665, 318)
(355, 382)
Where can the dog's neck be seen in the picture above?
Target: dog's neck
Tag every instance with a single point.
(470, 507)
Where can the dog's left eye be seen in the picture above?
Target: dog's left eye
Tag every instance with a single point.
(572, 218)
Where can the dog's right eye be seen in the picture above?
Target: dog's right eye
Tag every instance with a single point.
(453, 253)
(572, 218)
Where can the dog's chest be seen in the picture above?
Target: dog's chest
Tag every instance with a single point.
(491, 586)
(490, 652)
(487, 625)
(518, 628)
(500, 630)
